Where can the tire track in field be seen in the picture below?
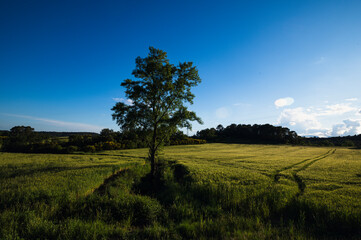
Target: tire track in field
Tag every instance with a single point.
(101, 189)
(278, 174)
(295, 177)
(300, 183)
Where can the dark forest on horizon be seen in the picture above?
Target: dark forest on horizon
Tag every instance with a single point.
(26, 139)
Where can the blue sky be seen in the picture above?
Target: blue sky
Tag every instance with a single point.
(290, 63)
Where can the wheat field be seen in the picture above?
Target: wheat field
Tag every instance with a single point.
(255, 187)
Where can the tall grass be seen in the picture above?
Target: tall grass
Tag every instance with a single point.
(213, 191)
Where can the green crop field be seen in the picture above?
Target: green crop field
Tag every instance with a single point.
(219, 191)
(322, 175)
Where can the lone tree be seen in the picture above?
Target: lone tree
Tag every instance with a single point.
(157, 100)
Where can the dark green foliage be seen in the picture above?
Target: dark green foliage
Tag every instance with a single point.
(2, 140)
(348, 143)
(249, 133)
(25, 139)
(21, 138)
(181, 174)
(159, 97)
(188, 141)
(107, 135)
(89, 148)
(71, 149)
(326, 143)
(22, 135)
(81, 140)
(179, 138)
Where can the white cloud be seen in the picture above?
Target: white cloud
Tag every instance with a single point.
(348, 127)
(299, 118)
(282, 102)
(126, 101)
(311, 121)
(222, 113)
(321, 134)
(316, 133)
(73, 126)
(336, 109)
(351, 99)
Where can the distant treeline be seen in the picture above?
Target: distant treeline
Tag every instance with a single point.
(25, 139)
(242, 133)
(52, 134)
(66, 134)
(346, 141)
(270, 134)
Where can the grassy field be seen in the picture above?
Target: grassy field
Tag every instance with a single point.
(219, 191)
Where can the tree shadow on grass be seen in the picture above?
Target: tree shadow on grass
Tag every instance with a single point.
(320, 221)
(175, 186)
(184, 207)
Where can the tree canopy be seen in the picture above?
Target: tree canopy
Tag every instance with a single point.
(265, 133)
(158, 100)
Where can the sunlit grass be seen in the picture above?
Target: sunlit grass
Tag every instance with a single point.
(235, 191)
(26, 176)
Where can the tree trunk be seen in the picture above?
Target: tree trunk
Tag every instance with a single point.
(152, 162)
(152, 152)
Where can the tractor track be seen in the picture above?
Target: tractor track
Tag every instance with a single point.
(295, 177)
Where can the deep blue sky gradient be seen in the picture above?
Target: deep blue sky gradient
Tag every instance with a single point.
(62, 62)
